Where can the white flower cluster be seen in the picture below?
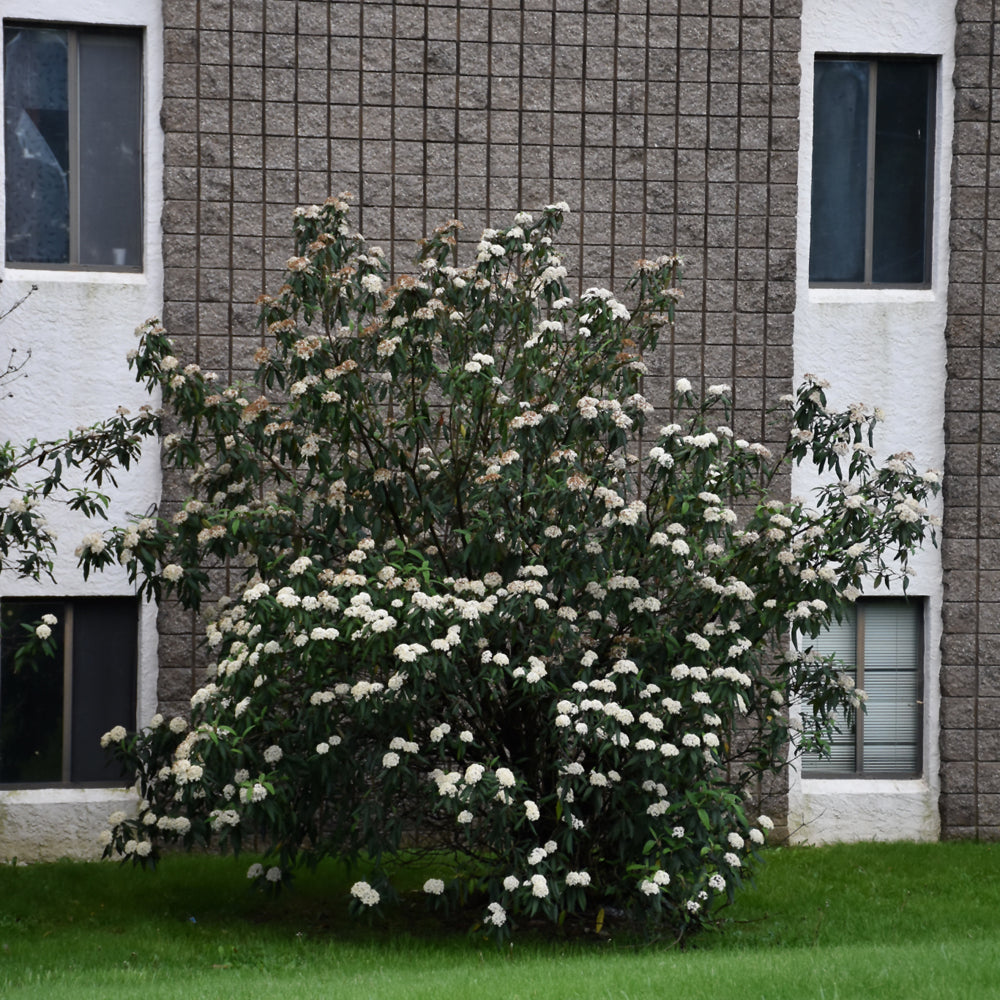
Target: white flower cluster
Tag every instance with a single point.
(363, 892)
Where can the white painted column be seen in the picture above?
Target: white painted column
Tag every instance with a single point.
(884, 347)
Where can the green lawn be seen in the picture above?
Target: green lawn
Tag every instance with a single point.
(900, 921)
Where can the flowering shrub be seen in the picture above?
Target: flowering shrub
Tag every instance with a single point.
(485, 601)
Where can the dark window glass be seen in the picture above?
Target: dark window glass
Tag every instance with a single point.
(36, 140)
(900, 188)
(105, 644)
(840, 158)
(871, 191)
(54, 712)
(31, 699)
(72, 133)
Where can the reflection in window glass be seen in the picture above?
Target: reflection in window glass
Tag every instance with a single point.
(73, 160)
(36, 139)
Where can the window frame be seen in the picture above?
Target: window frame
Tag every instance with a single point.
(874, 60)
(74, 29)
(74, 676)
(819, 772)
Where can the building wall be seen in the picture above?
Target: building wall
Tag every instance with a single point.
(665, 125)
(885, 347)
(78, 326)
(970, 675)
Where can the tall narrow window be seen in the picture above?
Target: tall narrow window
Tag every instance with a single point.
(880, 643)
(73, 146)
(54, 712)
(871, 171)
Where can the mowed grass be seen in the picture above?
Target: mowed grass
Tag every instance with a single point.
(868, 921)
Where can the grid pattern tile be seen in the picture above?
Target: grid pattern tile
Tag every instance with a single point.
(667, 125)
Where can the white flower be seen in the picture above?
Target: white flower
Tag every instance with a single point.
(531, 811)
(43, 631)
(390, 759)
(434, 886)
(464, 816)
(473, 773)
(506, 777)
(649, 888)
(698, 641)
(115, 735)
(273, 754)
(299, 566)
(172, 572)
(511, 883)
(287, 598)
(92, 542)
(539, 887)
(682, 385)
(365, 893)
(766, 822)
(273, 874)
(408, 652)
(255, 871)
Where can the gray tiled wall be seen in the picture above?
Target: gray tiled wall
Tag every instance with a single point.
(666, 125)
(970, 676)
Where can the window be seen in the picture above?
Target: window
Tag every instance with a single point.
(880, 642)
(53, 714)
(871, 171)
(73, 149)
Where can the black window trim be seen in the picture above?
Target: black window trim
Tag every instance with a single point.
(873, 59)
(67, 606)
(858, 773)
(75, 28)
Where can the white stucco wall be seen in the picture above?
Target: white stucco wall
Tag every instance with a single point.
(884, 347)
(79, 327)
